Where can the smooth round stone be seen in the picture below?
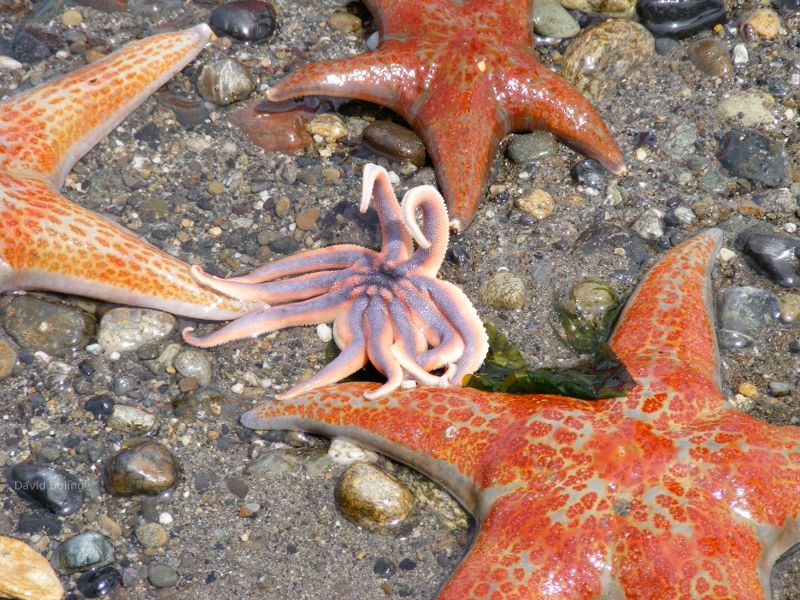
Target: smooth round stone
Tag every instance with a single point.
(748, 108)
(162, 576)
(101, 406)
(200, 404)
(131, 419)
(194, 363)
(128, 329)
(764, 22)
(550, 19)
(790, 308)
(608, 244)
(750, 154)
(589, 173)
(371, 498)
(394, 141)
(680, 18)
(8, 359)
(601, 55)
(711, 57)
(39, 325)
(780, 388)
(225, 81)
(344, 22)
(538, 203)
(99, 582)
(25, 574)
(190, 112)
(82, 552)
(151, 535)
(245, 20)
(744, 315)
(591, 299)
(650, 224)
(680, 141)
(503, 290)
(148, 468)
(50, 487)
(527, 148)
(612, 8)
(776, 256)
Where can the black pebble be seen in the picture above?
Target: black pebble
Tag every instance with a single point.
(680, 18)
(99, 582)
(383, 569)
(39, 521)
(407, 564)
(589, 173)
(49, 487)
(460, 255)
(245, 20)
(27, 48)
(100, 406)
(774, 255)
(750, 154)
(284, 245)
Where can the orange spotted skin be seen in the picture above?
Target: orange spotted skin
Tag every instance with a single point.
(47, 242)
(665, 494)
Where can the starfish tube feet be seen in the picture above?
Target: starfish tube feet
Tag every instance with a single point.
(388, 308)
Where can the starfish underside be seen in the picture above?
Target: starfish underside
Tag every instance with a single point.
(47, 242)
(665, 494)
(463, 74)
(388, 307)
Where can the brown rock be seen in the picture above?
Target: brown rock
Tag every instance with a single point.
(711, 57)
(25, 574)
(395, 141)
(148, 468)
(306, 219)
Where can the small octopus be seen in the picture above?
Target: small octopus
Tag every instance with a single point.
(387, 307)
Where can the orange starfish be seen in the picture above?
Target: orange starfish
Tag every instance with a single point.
(47, 242)
(463, 74)
(665, 494)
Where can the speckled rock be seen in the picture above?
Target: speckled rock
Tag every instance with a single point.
(331, 128)
(148, 468)
(611, 8)
(128, 329)
(749, 108)
(131, 419)
(649, 225)
(711, 57)
(8, 359)
(225, 81)
(53, 488)
(504, 290)
(343, 452)
(790, 308)
(372, 498)
(750, 154)
(151, 535)
(744, 315)
(395, 141)
(763, 22)
(82, 552)
(527, 148)
(603, 54)
(550, 19)
(537, 203)
(680, 140)
(194, 363)
(54, 328)
(344, 22)
(25, 574)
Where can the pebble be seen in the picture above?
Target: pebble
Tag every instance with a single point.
(680, 19)
(790, 308)
(128, 329)
(612, 8)
(740, 55)
(589, 173)
(224, 81)
(162, 576)
(343, 452)
(25, 574)
(503, 290)
(764, 22)
(538, 204)
(99, 582)
(306, 219)
(324, 332)
(82, 552)
(748, 108)
(748, 389)
(744, 315)
(601, 55)
(194, 363)
(244, 20)
(50, 327)
(711, 57)
(750, 154)
(775, 256)
(274, 464)
(328, 126)
(371, 498)
(606, 244)
(779, 388)
(190, 112)
(8, 359)
(650, 224)
(394, 141)
(237, 486)
(131, 419)
(27, 48)
(591, 299)
(71, 18)
(550, 19)
(526, 148)
(50, 487)
(344, 22)
(148, 468)
(151, 535)
(680, 141)
(274, 131)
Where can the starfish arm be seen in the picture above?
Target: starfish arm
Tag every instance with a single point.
(49, 243)
(433, 240)
(534, 97)
(322, 309)
(273, 292)
(396, 242)
(379, 76)
(438, 431)
(406, 333)
(665, 335)
(380, 338)
(340, 256)
(458, 310)
(44, 131)
(349, 334)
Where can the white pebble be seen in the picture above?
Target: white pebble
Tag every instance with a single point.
(9, 64)
(394, 178)
(346, 453)
(165, 518)
(740, 54)
(726, 255)
(790, 227)
(237, 388)
(324, 332)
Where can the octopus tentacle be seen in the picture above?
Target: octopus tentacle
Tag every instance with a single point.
(395, 239)
(380, 337)
(435, 233)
